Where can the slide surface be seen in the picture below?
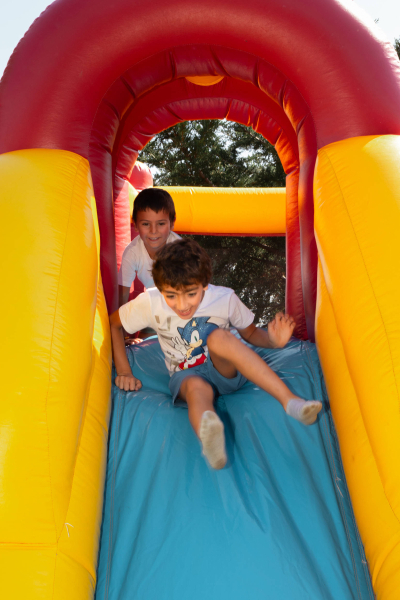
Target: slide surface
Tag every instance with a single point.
(276, 523)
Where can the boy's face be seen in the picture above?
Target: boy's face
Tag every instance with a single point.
(184, 302)
(154, 229)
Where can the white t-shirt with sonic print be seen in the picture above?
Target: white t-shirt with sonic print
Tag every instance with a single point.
(184, 342)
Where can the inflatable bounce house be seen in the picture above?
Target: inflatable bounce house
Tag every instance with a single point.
(91, 82)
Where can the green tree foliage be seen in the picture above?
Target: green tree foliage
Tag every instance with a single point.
(226, 154)
(213, 153)
(397, 46)
(254, 267)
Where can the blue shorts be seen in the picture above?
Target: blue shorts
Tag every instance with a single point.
(220, 384)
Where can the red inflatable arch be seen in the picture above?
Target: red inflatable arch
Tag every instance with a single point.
(106, 56)
(236, 100)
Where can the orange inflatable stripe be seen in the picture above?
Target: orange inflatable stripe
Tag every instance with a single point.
(205, 80)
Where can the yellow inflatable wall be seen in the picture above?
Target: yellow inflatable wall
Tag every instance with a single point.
(57, 360)
(56, 325)
(357, 224)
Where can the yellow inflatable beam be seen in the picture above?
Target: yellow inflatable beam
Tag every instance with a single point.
(241, 211)
(55, 388)
(357, 224)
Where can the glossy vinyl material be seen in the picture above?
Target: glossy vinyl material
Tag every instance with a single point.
(180, 100)
(325, 96)
(141, 177)
(275, 523)
(125, 192)
(252, 92)
(236, 211)
(357, 220)
(236, 100)
(71, 86)
(55, 396)
(342, 95)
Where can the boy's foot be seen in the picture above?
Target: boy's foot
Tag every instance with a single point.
(212, 438)
(303, 411)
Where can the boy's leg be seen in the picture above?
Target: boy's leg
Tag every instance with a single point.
(230, 355)
(199, 397)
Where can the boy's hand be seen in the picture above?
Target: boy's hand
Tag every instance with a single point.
(127, 382)
(132, 341)
(280, 330)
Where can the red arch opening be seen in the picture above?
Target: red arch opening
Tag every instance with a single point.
(233, 99)
(82, 64)
(248, 82)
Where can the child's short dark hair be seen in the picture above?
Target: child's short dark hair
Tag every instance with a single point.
(155, 199)
(181, 264)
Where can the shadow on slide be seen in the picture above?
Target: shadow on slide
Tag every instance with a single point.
(275, 524)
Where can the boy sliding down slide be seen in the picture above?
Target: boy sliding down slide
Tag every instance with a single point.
(204, 359)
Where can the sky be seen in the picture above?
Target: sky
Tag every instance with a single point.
(16, 16)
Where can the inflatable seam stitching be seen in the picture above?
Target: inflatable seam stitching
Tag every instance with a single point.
(378, 564)
(172, 62)
(52, 335)
(359, 541)
(50, 362)
(367, 273)
(214, 52)
(332, 463)
(325, 153)
(128, 87)
(51, 343)
(222, 96)
(88, 386)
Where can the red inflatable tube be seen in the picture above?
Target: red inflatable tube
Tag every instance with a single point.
(141, 177)
(126, 49)
(165, 105)
(262, 114)
(47, 102)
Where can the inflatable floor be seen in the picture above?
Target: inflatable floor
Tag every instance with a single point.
(276, 523)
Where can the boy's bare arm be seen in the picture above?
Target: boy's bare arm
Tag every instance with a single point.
(123, 298)
(125, 379)
(277, 335)
(123, 294)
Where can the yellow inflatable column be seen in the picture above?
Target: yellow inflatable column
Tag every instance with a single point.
(357, 224)
(55, 382)
(248, 211)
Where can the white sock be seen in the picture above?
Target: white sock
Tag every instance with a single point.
(304, 411)
(212, 438)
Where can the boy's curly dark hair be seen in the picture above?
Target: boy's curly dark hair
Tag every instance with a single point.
(156, 199)
(180, 264)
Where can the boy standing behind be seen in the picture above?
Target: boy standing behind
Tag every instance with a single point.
(154, 217)
(204, 359)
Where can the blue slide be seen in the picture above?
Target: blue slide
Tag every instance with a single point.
(275, 524)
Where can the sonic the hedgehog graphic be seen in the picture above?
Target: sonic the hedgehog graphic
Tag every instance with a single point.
(194, 336)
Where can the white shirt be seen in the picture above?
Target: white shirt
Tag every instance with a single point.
(184, 342)
(136, 259)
